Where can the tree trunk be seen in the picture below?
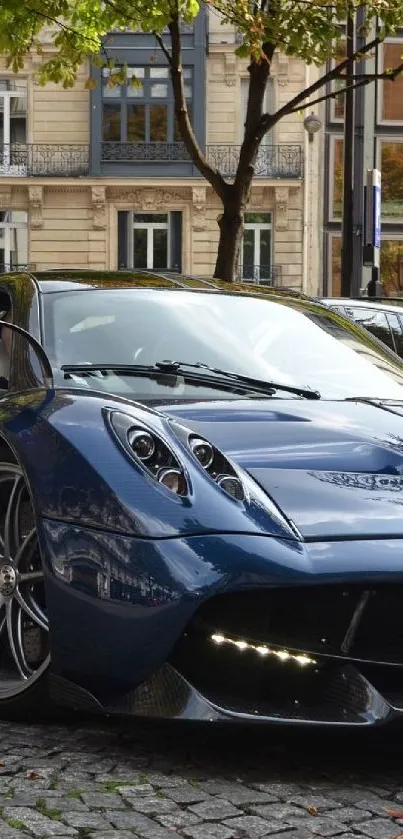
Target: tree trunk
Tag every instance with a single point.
(231, 229)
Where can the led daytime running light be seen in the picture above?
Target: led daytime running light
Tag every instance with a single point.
(283, 655)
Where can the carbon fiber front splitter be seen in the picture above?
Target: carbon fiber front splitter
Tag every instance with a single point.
(349, 700)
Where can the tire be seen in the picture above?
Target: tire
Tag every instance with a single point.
(24, 626)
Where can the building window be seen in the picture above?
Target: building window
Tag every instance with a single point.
(269, 107)
(334, 271)
(13, 124)
(142, 110)
(336, 181)
(337, 104)
(257, 247)
(149, 241)
(391, 93)
(391, 264)
(13, 239)
(390, 161)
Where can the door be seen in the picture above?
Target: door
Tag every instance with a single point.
(150, 241)
(257, 248)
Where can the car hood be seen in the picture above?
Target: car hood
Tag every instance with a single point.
(334, 468)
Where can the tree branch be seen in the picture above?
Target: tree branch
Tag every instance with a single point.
(61, 25)
(268, 120)
(333, 95)
(211, 174)
(160, 41)
(360, 81)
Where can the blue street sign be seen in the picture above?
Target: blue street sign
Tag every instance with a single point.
(377, 216)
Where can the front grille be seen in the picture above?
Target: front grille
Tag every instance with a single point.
(317, 619)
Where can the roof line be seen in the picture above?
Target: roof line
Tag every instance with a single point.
(178, 282)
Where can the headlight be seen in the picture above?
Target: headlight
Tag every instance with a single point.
(232, 485)
(214, 463)
(203, 451)
(149, 451)
(173, 479)
(142, 443)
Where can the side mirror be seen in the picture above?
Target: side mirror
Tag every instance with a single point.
(41, 355)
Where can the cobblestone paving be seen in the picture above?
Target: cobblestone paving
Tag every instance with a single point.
(112, 780)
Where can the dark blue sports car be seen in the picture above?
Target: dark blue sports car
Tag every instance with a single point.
(201, 503)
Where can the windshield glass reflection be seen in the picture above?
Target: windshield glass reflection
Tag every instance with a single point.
(294, 342)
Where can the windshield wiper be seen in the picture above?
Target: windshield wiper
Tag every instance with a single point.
(177, 366)
(222, 379)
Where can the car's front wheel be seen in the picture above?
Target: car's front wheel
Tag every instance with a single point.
(24, 628)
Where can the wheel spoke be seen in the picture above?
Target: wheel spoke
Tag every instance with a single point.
(31, 609)
(24, 626)
(12, 536)
(26, 550)
(14, 631)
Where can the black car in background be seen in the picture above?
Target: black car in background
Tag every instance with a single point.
(384, 318)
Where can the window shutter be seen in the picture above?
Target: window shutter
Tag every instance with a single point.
(176, 241)
(123, 224)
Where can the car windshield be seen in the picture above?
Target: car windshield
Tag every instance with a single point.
(288, 341)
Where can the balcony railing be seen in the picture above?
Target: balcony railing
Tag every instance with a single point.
(261, 274)
(73, 161)
(44, 159)
(144, 153)
(280, 161)
(8, 268)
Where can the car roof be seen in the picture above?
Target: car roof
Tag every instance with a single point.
(384, 303)
(64, 280)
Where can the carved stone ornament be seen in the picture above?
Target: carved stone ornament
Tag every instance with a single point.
(35, 198)
(5, 197)
(230, 68)
(98, 201)
(281, 193)
(199, 207)
(148, 200)
(283, 69)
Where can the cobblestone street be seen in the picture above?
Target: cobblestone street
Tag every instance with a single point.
(116, 780)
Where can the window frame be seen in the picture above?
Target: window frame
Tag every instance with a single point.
(270, 104)
(123, 100)
(258, 227)
(149, 227)
(330, 236)
(8, 227)
(381, 139)
(332, 118)
(390, 237)
(6, 165)
(333, 139)
(380, 84)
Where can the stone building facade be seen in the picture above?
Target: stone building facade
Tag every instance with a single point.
(98, 178)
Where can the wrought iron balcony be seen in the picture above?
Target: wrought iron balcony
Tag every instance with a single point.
(144, 152)
(73, 161)
(261, 274)
(281, 161)
(15, 269)
(44, 159)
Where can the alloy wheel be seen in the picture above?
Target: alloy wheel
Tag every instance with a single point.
(24, 635)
